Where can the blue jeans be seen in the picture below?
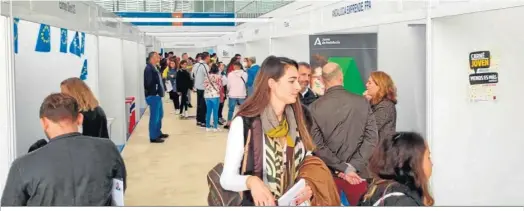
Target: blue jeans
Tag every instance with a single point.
(250, 90)
(212, 108)
(232, 104)
(156, 113)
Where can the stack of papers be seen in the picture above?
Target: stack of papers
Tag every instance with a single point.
(288, 199)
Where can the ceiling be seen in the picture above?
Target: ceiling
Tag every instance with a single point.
(182, 36)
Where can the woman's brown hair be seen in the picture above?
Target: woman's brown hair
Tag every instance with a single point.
(274, 68)
(400, 158)
(386, 86)
(81, 92)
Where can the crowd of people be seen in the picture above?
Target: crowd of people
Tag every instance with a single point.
(304, 124)
(293, 121)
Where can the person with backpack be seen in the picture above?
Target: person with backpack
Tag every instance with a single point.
(212, 85)
(267, 126)
(401, 168)
(237, 90)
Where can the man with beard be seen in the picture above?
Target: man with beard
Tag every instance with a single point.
(307, 96)
(71, 170)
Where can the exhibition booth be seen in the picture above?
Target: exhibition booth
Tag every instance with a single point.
(48, 43)
(467, 117)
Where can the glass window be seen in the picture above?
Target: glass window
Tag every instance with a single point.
(198, 6)
(209, 6)
(220, 6)
(230, 6)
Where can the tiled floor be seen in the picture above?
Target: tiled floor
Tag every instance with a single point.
(172, 173)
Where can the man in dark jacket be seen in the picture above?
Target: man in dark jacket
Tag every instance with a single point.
(307, 96)
(71, 170)
(344, 128)
(154, 92)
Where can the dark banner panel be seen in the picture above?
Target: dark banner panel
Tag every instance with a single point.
(355, 53)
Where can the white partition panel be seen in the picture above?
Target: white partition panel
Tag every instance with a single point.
(7, 129)
(39, 74)
(259, 49)
(239, 48)
(294, 47)
(111, 81)
(477, 146)
(225, 52)
(142, 56)
(131, 73)
(402, 54)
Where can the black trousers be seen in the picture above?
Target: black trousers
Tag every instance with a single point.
(220, 107)
(175, 98)
(201, 107)
(184, 101)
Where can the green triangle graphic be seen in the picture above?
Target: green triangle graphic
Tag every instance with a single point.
(352, 78)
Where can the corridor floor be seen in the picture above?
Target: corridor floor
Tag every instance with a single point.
(172, 173)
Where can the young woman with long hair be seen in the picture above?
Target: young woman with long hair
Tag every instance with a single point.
(401, 167)
(382, 95)
(275, 107)
(95, 119)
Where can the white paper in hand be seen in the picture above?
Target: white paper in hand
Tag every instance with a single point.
(117, 192)
(288, 199)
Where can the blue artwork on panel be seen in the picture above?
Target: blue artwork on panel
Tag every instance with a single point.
(83, 73)
(63, 40)
(75, 47)
(15, 34)
(43, 43)
(83, 43)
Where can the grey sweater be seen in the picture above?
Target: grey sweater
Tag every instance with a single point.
(72, 170)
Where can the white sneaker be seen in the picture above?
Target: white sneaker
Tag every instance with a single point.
(209, 130)
(186, 114)
(217, 130)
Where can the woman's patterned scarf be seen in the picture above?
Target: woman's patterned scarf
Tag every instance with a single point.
(278, 177)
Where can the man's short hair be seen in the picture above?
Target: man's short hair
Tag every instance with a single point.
(58, 107)
(237, 55)
(204, 55)
(252, 59)
(304, 64)
(150, 55)
(238, 64)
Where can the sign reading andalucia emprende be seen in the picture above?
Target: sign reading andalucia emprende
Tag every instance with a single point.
(361, 6)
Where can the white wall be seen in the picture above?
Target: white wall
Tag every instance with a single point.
(225, 52)
(477, 147)
(192, 52)
(39, 74)
(111, 80)
(7, 130)
(402, 54)
(295, 47)
(239, 48)
(142, 54)
(131, 73)
(259, 49)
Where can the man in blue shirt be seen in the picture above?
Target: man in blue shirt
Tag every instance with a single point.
(154, 91)
(251, 73)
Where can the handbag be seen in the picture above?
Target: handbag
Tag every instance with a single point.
(218, 196)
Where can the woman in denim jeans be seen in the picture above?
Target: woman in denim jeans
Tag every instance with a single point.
(212, 84)
(236, 86)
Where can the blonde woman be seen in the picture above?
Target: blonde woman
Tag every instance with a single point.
(95, 120)
(382, 95)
